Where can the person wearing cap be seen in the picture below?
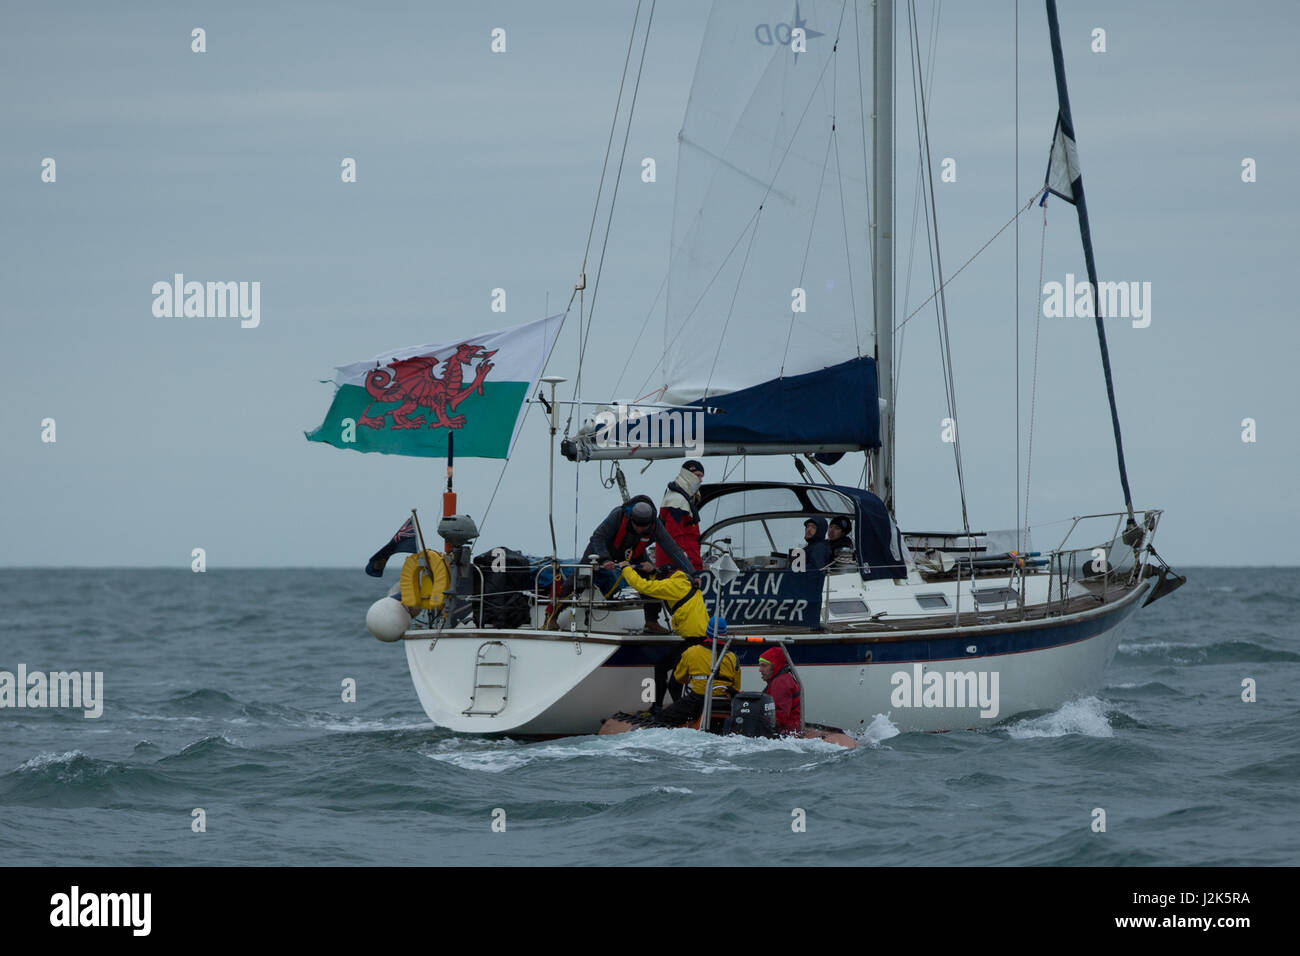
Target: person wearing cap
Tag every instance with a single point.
(679, 512)
(626, 533)
(817, 553)
(783, 689)
(693, 671)
(837, 536)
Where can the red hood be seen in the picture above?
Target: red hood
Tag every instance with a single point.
(776, 656)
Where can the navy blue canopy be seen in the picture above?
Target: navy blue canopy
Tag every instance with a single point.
(877, 540)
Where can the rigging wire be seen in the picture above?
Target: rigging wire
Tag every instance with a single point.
(785, 154)
(613, 202)
(487, 512)
(585, 334)
(590, 234)
(644, 325)
(941, 311)
(1020, 544)
(1033, 390)
(812, 226)
(686, 321)
(1005, 226)
(866, 164)
(916, 205)
(844, 220)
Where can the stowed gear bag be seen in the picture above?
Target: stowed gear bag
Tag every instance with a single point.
(753, 714)
(503, 604)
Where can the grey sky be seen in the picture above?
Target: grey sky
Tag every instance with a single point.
(478, 170)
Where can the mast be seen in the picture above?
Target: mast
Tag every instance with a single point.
(1065, 128)
(882, 237)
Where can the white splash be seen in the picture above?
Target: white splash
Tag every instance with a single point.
(1085, 716)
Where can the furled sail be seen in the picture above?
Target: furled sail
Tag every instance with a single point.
(769, 302)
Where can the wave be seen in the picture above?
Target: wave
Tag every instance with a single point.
(1150, 688)
(1086, 717)
(210, 704)
(75, 779)
(703, 753)
(1219, 652)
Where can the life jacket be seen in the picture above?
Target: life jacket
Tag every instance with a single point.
(619, 548)
(693, 671)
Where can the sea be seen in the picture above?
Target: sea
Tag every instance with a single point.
(226, 738)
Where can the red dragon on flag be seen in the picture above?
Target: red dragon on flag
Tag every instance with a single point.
(413, 383)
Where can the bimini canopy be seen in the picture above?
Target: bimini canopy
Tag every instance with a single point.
(876, 539)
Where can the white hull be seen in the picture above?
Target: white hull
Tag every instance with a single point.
(558, 684)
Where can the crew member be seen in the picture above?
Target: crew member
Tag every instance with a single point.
(680, 510)
(686, 608)
(624, 535)
(837, 536)
(693, 672)
(817, 553)
(783, 689)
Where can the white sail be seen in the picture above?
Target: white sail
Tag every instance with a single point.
(775, 119)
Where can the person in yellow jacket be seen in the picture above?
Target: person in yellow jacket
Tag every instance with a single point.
(676, 589)
(692, 672)
(689, 616)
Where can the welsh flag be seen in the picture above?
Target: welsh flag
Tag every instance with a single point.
(408, 401)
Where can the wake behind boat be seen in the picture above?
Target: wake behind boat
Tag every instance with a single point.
(938, 630)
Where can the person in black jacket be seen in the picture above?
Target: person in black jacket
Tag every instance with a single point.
(628, 531)
(817, 553)
(841, 544)
(625, 535)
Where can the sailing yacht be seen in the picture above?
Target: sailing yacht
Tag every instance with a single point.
(786, 172)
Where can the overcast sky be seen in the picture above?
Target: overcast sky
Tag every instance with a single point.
(478, 170)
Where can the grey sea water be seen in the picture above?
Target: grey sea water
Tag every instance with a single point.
(223, 692)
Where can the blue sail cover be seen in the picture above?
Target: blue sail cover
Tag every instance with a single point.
(834, 406)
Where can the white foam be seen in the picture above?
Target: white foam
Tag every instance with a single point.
(46, 759)
(670, 790)
(1085, 716)
(881, 728)
(705, 753)
(1159, 646)
(362, 725)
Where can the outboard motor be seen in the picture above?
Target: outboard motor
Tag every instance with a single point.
(459, 531)
(753, 714)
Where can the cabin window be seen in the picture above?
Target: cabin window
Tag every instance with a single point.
(852, 606)
(995, 595)
(932, 602)
(758, 542)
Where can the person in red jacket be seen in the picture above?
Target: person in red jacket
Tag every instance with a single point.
(783, 689)
(679, 513)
